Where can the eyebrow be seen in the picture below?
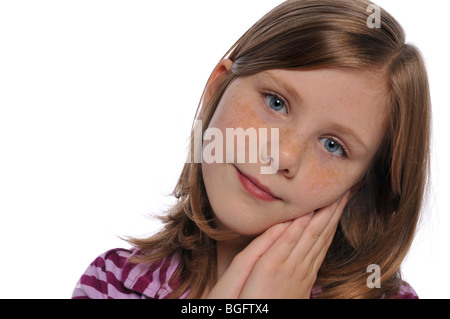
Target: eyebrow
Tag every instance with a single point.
(280, 83)
(351, 133)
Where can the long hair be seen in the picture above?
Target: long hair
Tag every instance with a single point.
(379, 222)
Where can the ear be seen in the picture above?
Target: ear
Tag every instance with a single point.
(223, 67)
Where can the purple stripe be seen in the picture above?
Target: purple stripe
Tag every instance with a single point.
(146, 279)
(117, 257)
(99, 262)
(163, 275)
(116, 283)
(111, 275)
(163, 271)
(93, 282)
(127, 268)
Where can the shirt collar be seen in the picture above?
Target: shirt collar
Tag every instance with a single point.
(152, 280)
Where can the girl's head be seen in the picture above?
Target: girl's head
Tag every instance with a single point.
(350, 101)
(352, 106)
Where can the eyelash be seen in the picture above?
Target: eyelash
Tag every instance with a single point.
(266, 94)
(345, 152)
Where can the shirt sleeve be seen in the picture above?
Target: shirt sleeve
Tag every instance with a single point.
(406, 292)
(102, 279)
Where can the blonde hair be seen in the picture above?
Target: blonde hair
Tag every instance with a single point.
(379, 222)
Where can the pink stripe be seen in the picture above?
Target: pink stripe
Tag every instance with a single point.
(84, 292)
(154, 285)
(129, 271)
(93, 282)
(111, 275)
(163, 271)
(118, 257)
(144, 281)
(113, 281)
(163, 278)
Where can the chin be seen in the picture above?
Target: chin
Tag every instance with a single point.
(250, 224)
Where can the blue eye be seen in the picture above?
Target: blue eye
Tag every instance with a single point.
(332, 146)
(276, 103)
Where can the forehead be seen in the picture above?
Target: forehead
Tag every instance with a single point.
(353, 85)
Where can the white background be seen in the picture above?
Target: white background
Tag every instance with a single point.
(96, 103)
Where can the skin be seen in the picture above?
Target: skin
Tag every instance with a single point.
(312, 184)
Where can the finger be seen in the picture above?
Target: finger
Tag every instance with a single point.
(233, 280)
(317, 263)
(309, 276)
(318, 251)
(288, 240)
(316, 234)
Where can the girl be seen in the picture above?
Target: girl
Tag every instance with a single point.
(350, 102)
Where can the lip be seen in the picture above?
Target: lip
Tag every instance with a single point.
(255, 188)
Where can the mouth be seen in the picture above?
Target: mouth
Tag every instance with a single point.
(255, 188)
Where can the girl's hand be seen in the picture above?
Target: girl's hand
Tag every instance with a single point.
(282, 262)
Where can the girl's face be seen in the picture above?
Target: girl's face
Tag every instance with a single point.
(330, 125)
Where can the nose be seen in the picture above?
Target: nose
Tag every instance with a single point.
(289, 159)
(286, 154)
(292, 148)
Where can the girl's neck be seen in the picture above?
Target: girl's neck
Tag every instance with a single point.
(227, 250)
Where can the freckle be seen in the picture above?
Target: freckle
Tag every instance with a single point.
(289, 138)
(323, 176)
(242, 115)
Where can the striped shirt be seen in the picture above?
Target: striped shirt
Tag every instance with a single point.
(112, 276)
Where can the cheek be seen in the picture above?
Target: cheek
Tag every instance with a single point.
(234, 111)
(323, 178)
(325, 183)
